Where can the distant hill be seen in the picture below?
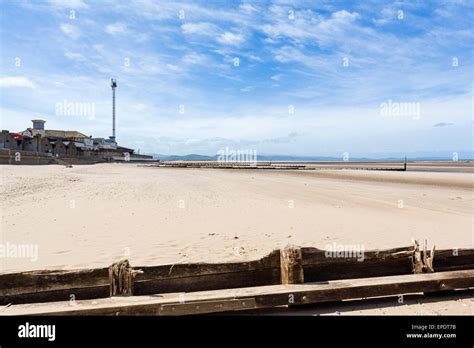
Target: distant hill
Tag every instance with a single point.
(195, 157)
(413, 157)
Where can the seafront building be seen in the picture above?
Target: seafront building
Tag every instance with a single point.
(62, 144)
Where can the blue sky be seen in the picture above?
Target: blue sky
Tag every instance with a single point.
(311, 77)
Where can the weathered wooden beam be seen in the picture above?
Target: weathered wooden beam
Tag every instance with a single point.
(329, 265)
(321, 265)
(267, 276)
(253, 297)
(83, 293)
(291, 263)
(41, 286)
(452, 259)
(205, 307)
(208, 276)
(38, 281)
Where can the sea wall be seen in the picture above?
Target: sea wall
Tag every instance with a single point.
(19, 157)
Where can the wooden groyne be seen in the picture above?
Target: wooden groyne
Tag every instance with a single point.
(227, 165)
(252, 298)
(379, 166)
(309, 275)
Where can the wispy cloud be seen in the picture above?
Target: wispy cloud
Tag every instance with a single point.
(68, 4)
(200, 28)
(195, 59)
(75, 56)
(247, 89)
(116, 28)
(15, 81)
(70, 30)
(276, 77)
(443, 124)
(256, 58)
(229, 38)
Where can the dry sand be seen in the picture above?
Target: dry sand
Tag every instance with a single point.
(90, 216)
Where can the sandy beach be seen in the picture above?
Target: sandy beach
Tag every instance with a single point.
(220, 159)
(91, 216)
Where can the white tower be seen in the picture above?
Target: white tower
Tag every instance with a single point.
(113, 84)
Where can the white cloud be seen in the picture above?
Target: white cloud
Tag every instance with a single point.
(212, 30)
(201, 28)
(247, 89)
(276, 77)
(256, 58)
(195, 59)
(70, 30)
(173, 67)
(69, 4)
(386, 15)
(247, 8)
(287, 54)
(229, 38)
(116, 28)
(16, 81)
(309, 26)
(75, 56)
(344, 15)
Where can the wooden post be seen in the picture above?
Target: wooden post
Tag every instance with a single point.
(422, 263)
(291, 265)
(428, 260)
(121, 276)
